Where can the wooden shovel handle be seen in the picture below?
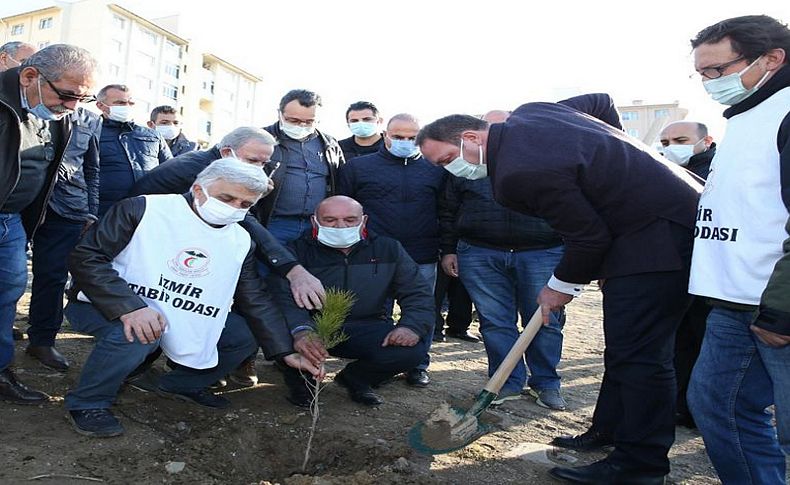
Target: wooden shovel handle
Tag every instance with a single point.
(516, 353)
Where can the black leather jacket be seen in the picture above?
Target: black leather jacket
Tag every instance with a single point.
(90, 265)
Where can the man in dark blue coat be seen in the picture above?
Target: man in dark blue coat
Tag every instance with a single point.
(627, 217)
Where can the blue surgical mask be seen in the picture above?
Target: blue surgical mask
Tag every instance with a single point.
(463, 169)
(729, 89)
(40, 110)
(403, 148)
(363, 129)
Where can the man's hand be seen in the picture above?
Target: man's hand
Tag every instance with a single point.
(145, 323)
(307, 290)
(298, 362)
(310, 347)
(769, 338)
(551, 301)
(401, 337)
(450, 265)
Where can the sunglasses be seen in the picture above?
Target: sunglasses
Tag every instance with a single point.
(84, 98)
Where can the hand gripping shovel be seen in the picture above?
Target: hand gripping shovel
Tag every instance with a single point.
(451, 428)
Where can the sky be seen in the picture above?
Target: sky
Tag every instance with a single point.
(432, 58)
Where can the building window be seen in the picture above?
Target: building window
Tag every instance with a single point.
(18, 29)
(144, 83)
(117, 45)
(630, 115)
(661, 113)
(115, 71)
(633, 132)
(149, 36)
(119, 22)
(208, 128)
(170, 91)
(145, 60)
(171, 70)
(172, 49)
(45, 23)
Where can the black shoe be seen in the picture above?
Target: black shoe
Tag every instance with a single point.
(18, 334)
(245, 374)
(221, 383)
(418, 378)
(439, 337)
(202, 397)
(589, 440)
(465, 336)
(604, 473)
(685, 420)
(298, 393)
(363, 395)
(14, 391)
(48, 356)
(99, 423)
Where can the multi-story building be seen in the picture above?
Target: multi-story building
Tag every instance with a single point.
(213, 95)
(645, 121)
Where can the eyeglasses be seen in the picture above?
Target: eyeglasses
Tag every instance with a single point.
(84, 98)
(715, 72)
(297, 121)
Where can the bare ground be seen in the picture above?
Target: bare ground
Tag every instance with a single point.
(261, 438)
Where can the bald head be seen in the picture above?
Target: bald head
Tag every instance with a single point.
(686, 133)
(338, 211)
(496, 116)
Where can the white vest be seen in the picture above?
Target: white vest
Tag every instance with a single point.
(741, 217)
(187, 271)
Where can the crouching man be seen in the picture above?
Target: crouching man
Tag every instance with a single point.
(163, 271)
(343, 254)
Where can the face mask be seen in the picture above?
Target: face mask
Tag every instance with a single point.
(463, 169)
(296, 132)
(168, 132)
(403, 148)
(15, 61)
(219, 213)
(40, 111)
(363, 129)
(338, 237)
(121, 114)
(679, 154)
(729, 89)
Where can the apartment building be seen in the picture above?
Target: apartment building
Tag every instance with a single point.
(212, 94)
(645, 121)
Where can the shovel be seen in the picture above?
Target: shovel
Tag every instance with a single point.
(452, 428)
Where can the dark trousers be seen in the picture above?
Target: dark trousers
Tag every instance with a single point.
(459, 312)
(52, 243)
(637, 399)
(688, 343)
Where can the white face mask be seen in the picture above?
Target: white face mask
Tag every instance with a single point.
(296, 132)
(121, 114)
(217, 212)
(679, 154)
(339, 237)
(463, 169)
(729, 89)
(168, 132)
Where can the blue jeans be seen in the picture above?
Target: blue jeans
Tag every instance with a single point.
(52, 244)
(735, 379)
(504, 284)
(13, 280)
(113, 358)
(285, 230)
(428, 272)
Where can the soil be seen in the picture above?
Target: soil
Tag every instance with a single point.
(261, 438)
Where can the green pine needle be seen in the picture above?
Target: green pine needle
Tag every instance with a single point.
(329, 321)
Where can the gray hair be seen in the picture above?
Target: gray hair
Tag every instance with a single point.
(242, 135)
(11, 48)
(404, 117)
(102, 94)
(57, 59)
(234, 171)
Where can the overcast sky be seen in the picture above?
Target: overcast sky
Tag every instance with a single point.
(437, 57)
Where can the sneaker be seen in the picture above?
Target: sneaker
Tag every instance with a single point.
(99, 423)
(220, 384)
(202, 397)
(245, 374)
(506, 395)
(549, 399)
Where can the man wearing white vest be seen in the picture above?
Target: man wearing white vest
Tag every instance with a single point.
(164, 271)
(737, 265)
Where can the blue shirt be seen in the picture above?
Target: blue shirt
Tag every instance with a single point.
(306, 173)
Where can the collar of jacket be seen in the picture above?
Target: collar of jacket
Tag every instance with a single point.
(703, 157)
(121, 125)
(778, 81)
(385, 153)
(10, 92)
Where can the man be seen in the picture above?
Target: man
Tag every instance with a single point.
(343, 254)
(400, 190)
(165, 120)
(364, 122)
(738, 263)
(162, 271)
(254, 146)
(36, 100)
(127, 151)
(504, 258)
(688, 144)
(12, 54)
(626, 216)
(308, 160)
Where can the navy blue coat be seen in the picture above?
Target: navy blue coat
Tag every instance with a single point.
(400, 197)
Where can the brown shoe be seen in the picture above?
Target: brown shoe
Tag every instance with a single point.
(13, 390)
(48, 356)
(245, 374)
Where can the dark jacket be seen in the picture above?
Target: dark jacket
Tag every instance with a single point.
(11, 115)
(144, 148)
(181, 145)
(699, 164)
(353, 150)
(177, 176)
(90, 264)
(333, 156)
(376, 269)
(620, 209)
(400, 197)
(469, 212)
(76, 192)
